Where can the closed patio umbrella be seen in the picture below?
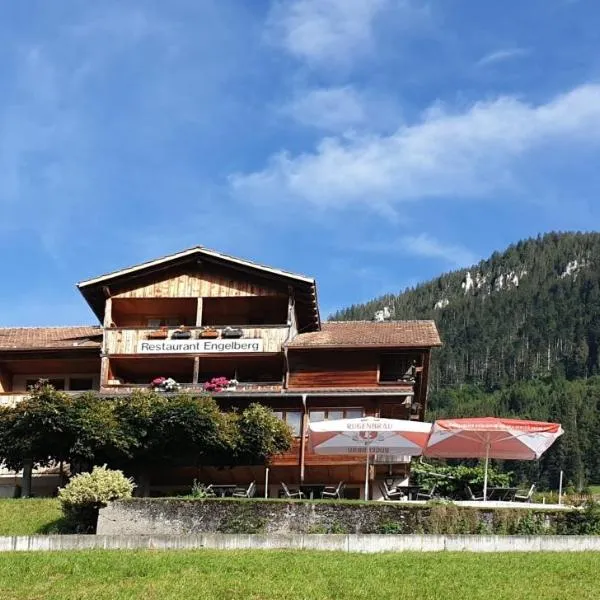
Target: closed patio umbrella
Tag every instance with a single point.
(491, 437)
(369, 435)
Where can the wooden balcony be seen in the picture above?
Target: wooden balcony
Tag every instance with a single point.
(129, 341)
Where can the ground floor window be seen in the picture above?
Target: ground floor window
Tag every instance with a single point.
(293, 418)
(329, 414)
(57, 384)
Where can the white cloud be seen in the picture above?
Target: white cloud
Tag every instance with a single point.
(501, 56)
(339, 109)
(422, 245)
(428, 247)
(326, 31)
(327, 108)
(467, 154)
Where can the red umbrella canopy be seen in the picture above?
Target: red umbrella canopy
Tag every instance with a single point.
(483, 437)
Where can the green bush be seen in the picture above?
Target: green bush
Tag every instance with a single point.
(87, 493)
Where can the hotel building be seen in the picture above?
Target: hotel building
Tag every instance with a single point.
(200, 314)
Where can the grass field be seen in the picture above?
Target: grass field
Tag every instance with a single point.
(291, 575)
(29, 516)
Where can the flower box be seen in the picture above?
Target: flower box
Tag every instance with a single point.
(209, 332)
(181, 334)
(220, 384)
(159, 334)
(231, 332)
(165, 384)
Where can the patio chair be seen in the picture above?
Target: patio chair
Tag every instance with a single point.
(245, 492)
(471, 495)
(390, 493)
(525, 497)
(291, 493)
(333, 491)
(426, 495)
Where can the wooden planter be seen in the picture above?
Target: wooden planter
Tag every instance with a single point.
(209, 333)
(181, 334)
(230, 332)
(160, 334)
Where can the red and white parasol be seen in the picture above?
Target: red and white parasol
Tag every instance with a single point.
(367, 436)
(491, 437)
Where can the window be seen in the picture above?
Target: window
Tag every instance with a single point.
(57, 384)
(166, 322)
(397, 367)
(329, 414)
(80, 384)
(293, 418)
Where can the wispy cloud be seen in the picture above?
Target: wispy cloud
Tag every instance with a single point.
(323, 32)
(428, 247)
(422, 245)
(469, 153)
(338, 109)
(502, 56)
(334, 108)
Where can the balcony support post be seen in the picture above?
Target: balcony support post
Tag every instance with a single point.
(199, 313)
(196, 370)
(104, 371)
(303, 430)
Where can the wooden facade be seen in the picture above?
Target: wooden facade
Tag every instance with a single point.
(198, 290)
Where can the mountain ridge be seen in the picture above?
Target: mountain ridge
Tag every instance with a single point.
(526, 312)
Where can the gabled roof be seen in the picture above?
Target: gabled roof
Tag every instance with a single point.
(195, 251)
(305, 288)
(50, 338)
(370, 334)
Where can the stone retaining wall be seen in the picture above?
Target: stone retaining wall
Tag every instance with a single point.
(141, 516)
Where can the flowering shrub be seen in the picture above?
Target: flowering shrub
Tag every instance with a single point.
(165, 384)
(219, 384)
(86, 493)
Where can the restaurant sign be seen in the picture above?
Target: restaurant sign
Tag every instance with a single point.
(221, 346)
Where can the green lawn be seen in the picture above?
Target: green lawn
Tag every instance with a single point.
(28, 516)
(292, 575)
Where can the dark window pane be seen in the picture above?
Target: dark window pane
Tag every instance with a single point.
(79, 384)
(354, 413)
(396, 367)
(57, 384)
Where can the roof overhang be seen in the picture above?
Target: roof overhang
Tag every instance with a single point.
(97, 289)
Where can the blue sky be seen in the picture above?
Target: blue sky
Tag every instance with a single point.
(369, 143)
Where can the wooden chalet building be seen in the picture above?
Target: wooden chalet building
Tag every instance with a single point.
(199, 314)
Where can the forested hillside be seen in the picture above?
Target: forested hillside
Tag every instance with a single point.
(530, 311)
(521, 335)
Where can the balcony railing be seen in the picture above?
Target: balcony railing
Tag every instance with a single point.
(13, 398)
(242, 388)
(136, 340)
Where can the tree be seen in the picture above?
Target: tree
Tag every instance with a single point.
(260, 435)
(52, 427)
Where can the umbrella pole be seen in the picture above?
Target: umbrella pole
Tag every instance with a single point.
(367, 476)
(485, 473)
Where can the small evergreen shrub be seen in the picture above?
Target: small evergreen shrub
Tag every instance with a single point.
(87, 493)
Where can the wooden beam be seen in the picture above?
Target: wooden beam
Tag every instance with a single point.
(196, 370)
(104, 371)
(303, 430)
(199, 312)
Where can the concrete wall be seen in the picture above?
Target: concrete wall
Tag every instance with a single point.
(341, 543)
(152, 516)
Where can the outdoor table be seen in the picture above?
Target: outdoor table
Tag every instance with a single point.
(410, 490)
(224, 490)
(505, 494)
(312, 490)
